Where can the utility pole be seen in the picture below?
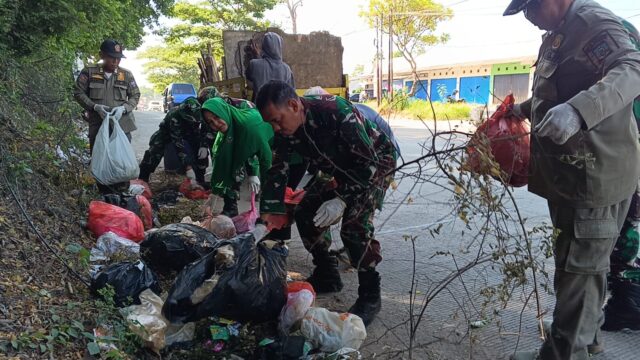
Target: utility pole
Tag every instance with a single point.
(379, 53)
(390, 70)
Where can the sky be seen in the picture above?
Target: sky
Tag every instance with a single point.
(478, 31)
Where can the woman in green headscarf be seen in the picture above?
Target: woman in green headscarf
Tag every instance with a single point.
(242, 137)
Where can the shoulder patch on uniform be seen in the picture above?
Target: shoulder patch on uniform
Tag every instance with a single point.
(133, 84)
(600, 47)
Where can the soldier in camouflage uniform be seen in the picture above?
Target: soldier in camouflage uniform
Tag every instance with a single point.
(184, 127)
(355, 163)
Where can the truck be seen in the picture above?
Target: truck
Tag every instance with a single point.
(315, 60)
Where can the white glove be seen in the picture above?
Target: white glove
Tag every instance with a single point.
(329, 212)
(215, 204)
(203, 153)
(118, 111)
(254, 183)
(259, 232)
(102, 110)
(191, 175)
(559, 124)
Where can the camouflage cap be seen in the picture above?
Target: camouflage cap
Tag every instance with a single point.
(207, 93)
(516, 6)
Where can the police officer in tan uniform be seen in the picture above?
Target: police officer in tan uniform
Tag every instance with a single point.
(103, 87)
(584, 156)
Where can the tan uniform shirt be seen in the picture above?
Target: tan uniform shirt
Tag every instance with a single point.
(591, 64)
(92, 87)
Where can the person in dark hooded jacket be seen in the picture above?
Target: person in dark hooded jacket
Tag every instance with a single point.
(270, 66)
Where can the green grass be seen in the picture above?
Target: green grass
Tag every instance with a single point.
(421, 109)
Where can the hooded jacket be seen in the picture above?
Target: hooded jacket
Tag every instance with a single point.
(270, 66)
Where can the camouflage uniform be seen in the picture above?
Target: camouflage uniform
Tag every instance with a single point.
(93, 87)
(184, 127)
(354, 160)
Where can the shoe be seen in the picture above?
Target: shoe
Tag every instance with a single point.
(325, 277)
(368, 304)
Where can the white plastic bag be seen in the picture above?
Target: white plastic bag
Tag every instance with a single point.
(113, 159)
(146, 320)
(110, 245)
(298, 303)
(330, 331)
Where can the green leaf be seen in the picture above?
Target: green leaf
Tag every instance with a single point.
(72, 332)
(93, 348)
(43, 348)
(55, 318)
(15, 344)
(88, 335)
(55, 332)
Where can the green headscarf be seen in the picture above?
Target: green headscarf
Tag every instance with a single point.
(247, 135)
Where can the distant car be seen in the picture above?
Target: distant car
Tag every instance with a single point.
(354, 97)
(154, 106)
(174, 94)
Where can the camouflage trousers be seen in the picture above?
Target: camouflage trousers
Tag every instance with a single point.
(159, 140)
(356, 232)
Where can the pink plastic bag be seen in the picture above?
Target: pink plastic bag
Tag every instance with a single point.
(247, 220)
(105, 217)
(193, 192)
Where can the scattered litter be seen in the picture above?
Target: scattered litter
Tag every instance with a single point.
(252, 289)
(220, 225)
(103, 336)
(330, 331)
(111, 246)
(247, 220)
(193, 191)
(105, 217)
(478, 324)
(300, 297)
(61, 154)
(128, 280)
(166, 198)
(136, 184)
(146, 320)
(172, 247)
(137, 204)
(287, 348)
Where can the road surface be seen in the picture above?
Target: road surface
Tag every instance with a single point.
(444, 331)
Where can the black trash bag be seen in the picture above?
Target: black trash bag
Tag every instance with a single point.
(128, 280)
(166, 198)
(252, 289)
(128, 202)
(172, 247)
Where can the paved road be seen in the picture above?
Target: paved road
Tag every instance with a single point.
(415, 210)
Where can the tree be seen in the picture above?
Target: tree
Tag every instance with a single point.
(292, 6)
(76, 27)
(201, 25)
(413, 24)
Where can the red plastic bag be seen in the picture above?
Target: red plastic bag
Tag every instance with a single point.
(146, 213)
(247, 220)
(147, 190)
(105, 217)
(197, 193)
(507, 138)
(293, 197)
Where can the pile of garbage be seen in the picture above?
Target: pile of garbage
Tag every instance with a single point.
(219, 274)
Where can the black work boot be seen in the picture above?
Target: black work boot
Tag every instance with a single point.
(368, 304)
(325, 277)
